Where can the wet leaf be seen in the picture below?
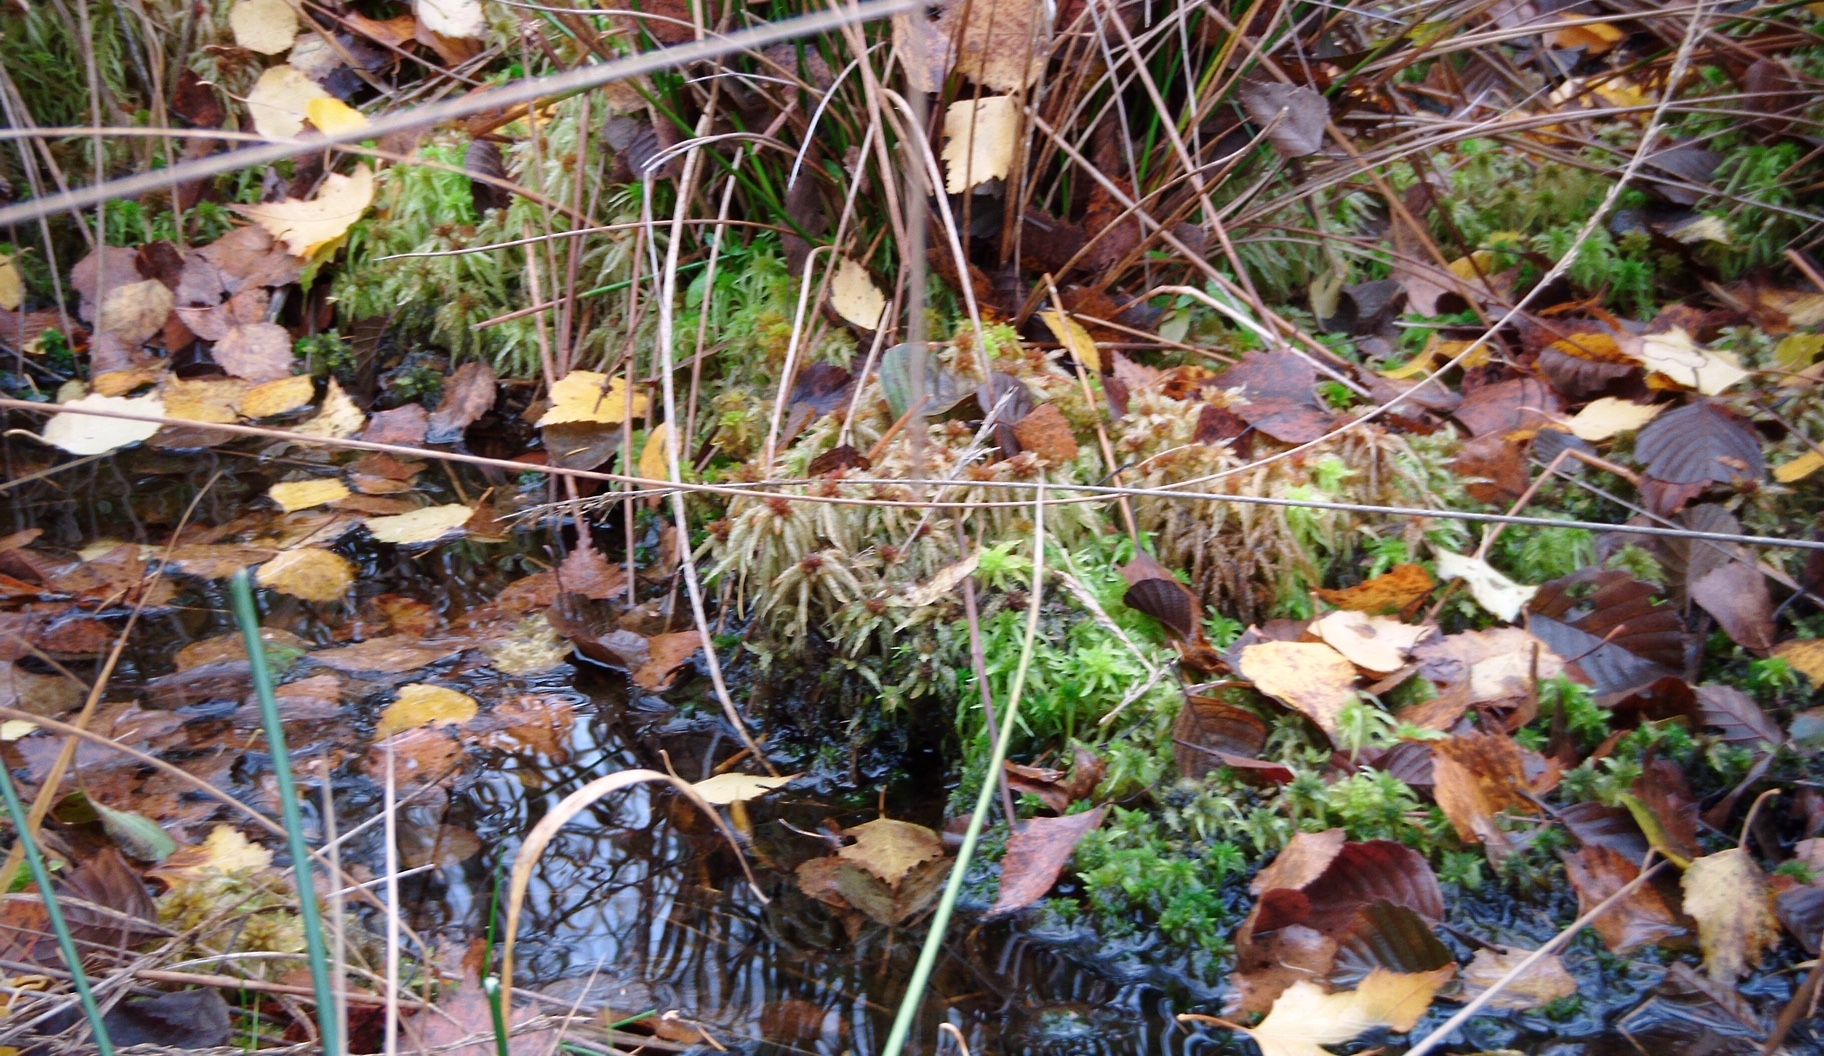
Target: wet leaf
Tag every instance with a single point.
(1736, 595)
(1046, 434)
(1739, 717)
(420, 526)
(1727, 894)
(137, 835)
(1076, 340)
(284, 394)
(1373, 643)
(1305, 858)
(467, 396)
(999, 44)
(419, 704)
(655, 463)
(1664, 809)
(1387, 936)
(1281, 396)
(1479, 776)
(587, 396)
(1699, 443)
(1308, 677)
(87, 434)
(1543, 983)
(1305, 1018)
(462, 19)
(1608, 416)
(1036, 854)
(981, 137)
(1392, 591)
(585, 571)
(226, 852)
(855, 297)
(668, 655)
(724, 789)
(392, 655)
(136, 311)
(1641, 919)
(295, 495)
(1493, 591)
(463, 1025)
(1209, 734)
(889, 849)
(436, 845)
(310, 573)
(891, 904)
(279, 104)
(1293, 115)
(306, 226)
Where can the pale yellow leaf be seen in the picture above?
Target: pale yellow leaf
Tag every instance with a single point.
(204, 399)
(12, 286)
(1729, 897)
(586, 396)
(1309, 677)
(13, 729)
(303, 226)
(309, 573)
(1610, 415)
(1305, 1018)
(419, 526)
(280, 102)
(278, 397)
(980, 139)
(295, 495)
(452, 18)
(945, 582)
(332, 115)
(1676, 356)
(337, 418)
(1492, 590)
(1705, 228)
(1546, 981)
(87, 434)
(265, 26)
(419, 704)
(1000, 44)
(1806, 657)
(1799, 468)
(1372, 643)
(231, 852)
(655, 464)
(1073, 337)
(136, 311)
(724, 789)
(855, 297)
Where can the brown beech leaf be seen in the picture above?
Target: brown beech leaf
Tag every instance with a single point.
(1641, 919)
(1389, 936)
(1699, 443)
(467, 395)
(1394, 591)
(1622, 634)
(1303, 860)
(1210, 733)
(1739, 717)
(1518, 404)
(1153, 589)
(1665, 810)
(1354, 876)
(1036, 853)
(1736, 594)
(1281, 393)
(1613, 827)
(1728, 896)
(1478, 776)
(669, 653)
(391, 655)
(1491, 665)
(1308, 677)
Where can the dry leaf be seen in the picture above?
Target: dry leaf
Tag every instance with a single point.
(295, 495)
(310, 573)
(1676, 356)
(1543, 983)
(332, 115)
(855, 297)
(1609, 415)
(655, 461)
(12, 285)
(462, 19)
(1799, 468)
(135, 311)
(420, 526)
(1477, 777)
(419, 704)
(1036, 853)
(1728, 896)
(980, 139)
(1390, 592)
(1492, 590)
(1805, 656)
(1373, 643)
(1640, 919)
(1309, 677)
(280, 103)
(306, 226)
(1294, 115)
(586, 396)
(724, 789)
(265, 26)
(1000, 44)
(1305, 1018)
(1596, 38)
(1075, 339)
(278, 397)
(87, 434)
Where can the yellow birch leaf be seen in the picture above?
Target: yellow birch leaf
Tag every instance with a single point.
(296, 495)
(419, 704)
(280, 101)
(1305, 1018)
(277, 397)
(332, 115)
(1074, 338)
(1799, 468)
(337, 418)
(303, 226)
(310, 573)
(980, 138)
(1806, 657)
(1729, 897)
(265, 26)
(724, 789)
(1610, 415)
(587, 396)
(12, 286)
(655, 464)
(419, 526)
(855, 297)
(87, 434)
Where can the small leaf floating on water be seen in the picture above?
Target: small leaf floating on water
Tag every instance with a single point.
(310, 573)
(1545, 982)
(87, 434)
(1305, 1017)
(426, 525)
(419, 704)
(724, 789)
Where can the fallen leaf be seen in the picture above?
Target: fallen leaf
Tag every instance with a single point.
(336, 418)
(306, 226)
(724, 789)
(1493, 665)
(265, 26)
(280, 104)
(436, 845)
(463, 1025)
(257, 351)
(332, 115)
(225, 852)
(1309, 677)
(1047, 434)
(393, 654)
(1036, 854)
(1493, 591)
(669, 653)
(87, 434)
(467, 395)
(309, 573)
(295, 495)
(1076, 340)
(1641, 919)
(655, 461)
(1210, 733)
(1293, 115)
(924, 53)
(586, 396)
(1799, 468)
(585, 571)
(855, 297)
(1392, 591)
(462, 19)
(999, 44)
(1279, 396)
(1739, 717)
(426, 525)
(981, 137)
(1373, 643)
(1596, 38)
(1478, 776)
(12, 285)
(1674, 355)
(1736, 594)
(420, 704)
(890, 849)
(1515, 405)
(1152, 589)
(1728, 896)
(1609, 415)
(1543, 983)
(1806, 657)
(1306, 1018)
(1623, 633)
(944, 583)
(135, 311)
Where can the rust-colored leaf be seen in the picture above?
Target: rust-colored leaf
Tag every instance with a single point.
(1210, 733)
(1036, 853)
(1281, 396)
(1478, 777)
(669, 654)
(1641, 919)
(1393, 591)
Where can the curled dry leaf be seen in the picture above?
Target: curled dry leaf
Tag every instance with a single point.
(855, 297)
(420, 704)
(306, 226)
(1379, 644)
(1728, 896)
(1036, 853)
(1309, 677)
(310, 573)
(981, 137)
(420, 526)
(1493, 591)
(265, 26)
(280, 103)
(87, 434)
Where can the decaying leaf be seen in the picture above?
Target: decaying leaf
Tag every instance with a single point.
(1392, 591)
(1076, 340)
(1641, 919)
(420, 704)
(1036, 853)
(1210, 733)
(135, 311)
(337, 417)
(1676, 356)
(999, 44)
(1047, 434)
(668, 655)
(1736, 594)
(1493, 665)
(12, 284)
(420, 526)
(1543, 983)
(724, 789)
(280, 104)
(1309, 677)
(587, 396)
(279, 396)
(265, 26)
(1279, 396)
(393, 654)
(981, 137)
(462, 19)
(88, 434)
(1699, 443)
(855, 297)
(295, 495)
(306, 226)
(1293, 115)
(1727, 894)
(310, 573)
(1478, 777)
(655, 464)
(1493, 591)
(1373, 643)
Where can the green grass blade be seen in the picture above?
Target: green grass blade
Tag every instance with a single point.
(249, 618)
(65, 941)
